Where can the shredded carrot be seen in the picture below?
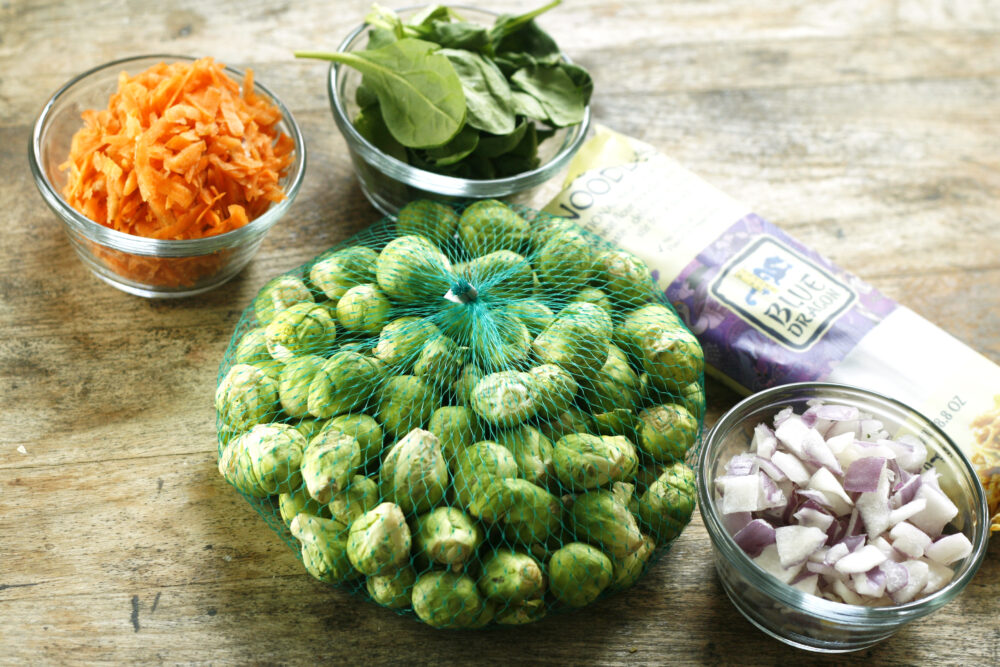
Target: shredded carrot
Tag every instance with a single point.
(179, 153)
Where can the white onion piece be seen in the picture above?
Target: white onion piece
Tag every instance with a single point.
(796, 543)
(826, 483)
(791, 466)
(918, 574)
(909, 540)
(769, 561)
(861, 560)
(949, 549)
(764, 443)
(826, 502)
(938, 512)
(807, 516)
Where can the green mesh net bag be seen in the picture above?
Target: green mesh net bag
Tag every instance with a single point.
(475, 415)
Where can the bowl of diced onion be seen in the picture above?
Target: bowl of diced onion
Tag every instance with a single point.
(838, 515)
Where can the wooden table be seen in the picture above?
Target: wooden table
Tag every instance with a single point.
(868, 129)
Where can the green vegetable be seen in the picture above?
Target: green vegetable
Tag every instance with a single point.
(667, 432)
(448, 600)
(341, 384)
(510, 577)
(423, 217)
(329, 463)
(360, 496)
(392, 589)
(603, 518)
(379, 540)
(462, 99)
(448, 536)
(293, 384)
(363, 309)
(584, 461)
(303, 328)
(418, 90)
(278, 294)
(362, 428)
(339, 271)
(414, 473)
(666, 506)
(324, 547)
(411, 268)
(578, 574)
(246, 396)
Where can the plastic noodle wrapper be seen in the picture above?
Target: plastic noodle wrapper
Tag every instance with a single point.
(477, 415)
(771, 311)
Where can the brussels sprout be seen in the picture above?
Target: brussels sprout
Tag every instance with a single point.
(501, 342)
(342, 383)
(667, 432)
(329, 463)
(414, 474)
(394, 588)
(577, 340)
(448, 600)
(467, 379)
(489, 225)
(506, 398)
(521, 613)
(618, 422)
(411, 269)
(360, 496)
(578, 574)
(341, 270)
(406, 402)
(270, 367)
(533, 313)
(501, 276)
(297, 502)
(595, 296)
(544, 228)
(379, 540)
(616, 384)
(473, 468)
(439, 361)
(448, 536)
(246, 396)
(556, 389)
(294, 381)
(251, 348)
(565, 263)
(570, 421)
(629, 569)
(402, 340)
(423, 217)
(309, 427)
(456, 427)
(278, 294)
(657, 338)
(300, 329)
(666, 506)
(625, 277)
(511, 577)
(236, 468)
(584, 461)
(529, 513)
(601, 517)
(274, 452)
(363, 309)
(693, 399)
(364, 429)
(532, 451)
(324, 547)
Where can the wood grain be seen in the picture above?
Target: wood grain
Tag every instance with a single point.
(868, 129)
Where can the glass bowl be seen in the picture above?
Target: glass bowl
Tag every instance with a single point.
(135, 264)
(389, 184)
(781, 610)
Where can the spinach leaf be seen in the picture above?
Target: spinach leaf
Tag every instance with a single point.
(365, 96)
(494, 145)
(458, 35)
(487, 93)
(507, 24)
(371, 126)
(383, 18)
(558, 95)
(379, 37)
(581, 79)
(462, 145)
(418, 90)
(428, 15)
(526, 105)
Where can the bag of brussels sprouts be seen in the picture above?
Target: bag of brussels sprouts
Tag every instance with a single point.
(477, 414)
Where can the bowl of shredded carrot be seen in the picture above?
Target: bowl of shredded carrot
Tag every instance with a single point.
(167, 171)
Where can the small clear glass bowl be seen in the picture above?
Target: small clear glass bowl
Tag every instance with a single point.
(389, 184)
(788, 614)
(135, 264)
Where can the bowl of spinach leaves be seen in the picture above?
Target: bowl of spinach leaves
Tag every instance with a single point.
(455, 102)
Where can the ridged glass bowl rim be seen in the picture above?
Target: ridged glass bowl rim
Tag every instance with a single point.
(792, 597)
(440, 183)
(140, 245)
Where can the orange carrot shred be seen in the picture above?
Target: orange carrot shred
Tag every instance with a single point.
(179, 153)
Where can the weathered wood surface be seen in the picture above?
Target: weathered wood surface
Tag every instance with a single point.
(868, 129)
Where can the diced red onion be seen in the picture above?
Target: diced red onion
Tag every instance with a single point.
(754, 536)
(863, 474)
